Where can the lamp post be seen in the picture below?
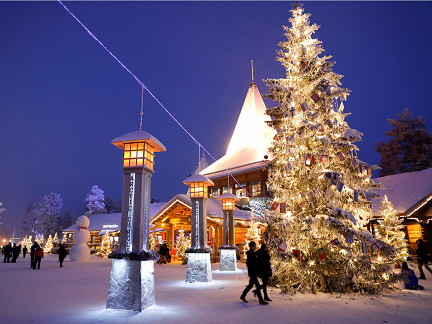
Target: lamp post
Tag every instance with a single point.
(132, 274)
(198, 266)
(228, 258)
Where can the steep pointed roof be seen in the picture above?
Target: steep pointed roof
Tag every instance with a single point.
(250, 140)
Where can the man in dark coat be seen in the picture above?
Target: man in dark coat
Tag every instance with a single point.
(24, 251)
(14, 253)
(32, 252)
(422, 258)
(252, 266)
(62, 254)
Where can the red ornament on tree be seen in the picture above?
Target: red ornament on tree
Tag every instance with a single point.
(282, 208)
(315, 97)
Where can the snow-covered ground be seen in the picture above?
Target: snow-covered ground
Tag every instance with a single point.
(77, 294)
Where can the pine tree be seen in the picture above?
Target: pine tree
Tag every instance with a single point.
(321, 190)
(183, 243)
(106, 246)
(40, 239)
(30, 220)
(55, 239)
(112, 205)
(95, 201)
(49, 213)
(48, 245)
(152, 241)
(409, 148)
(64, 239)
(253, 234)
(391, 231)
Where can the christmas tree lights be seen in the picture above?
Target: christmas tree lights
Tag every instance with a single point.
(322, 192)
(48, 245)
(183, 243)
(391, 231)
(253, 234)
(106, 247)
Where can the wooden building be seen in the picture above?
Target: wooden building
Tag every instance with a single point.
(411, 195)
(175, 216)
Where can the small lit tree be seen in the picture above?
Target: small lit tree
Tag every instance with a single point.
(48, 245)
(106, 246)
(64, 239)
(40, 239)
(55, 238)
(153, 241)
(392, 229)
(253, 234)
(183, 242)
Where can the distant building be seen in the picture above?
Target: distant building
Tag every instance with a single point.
(411, 195)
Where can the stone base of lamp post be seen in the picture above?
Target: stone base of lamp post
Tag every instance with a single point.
(228, 258)
(198, 266)
(131, 282)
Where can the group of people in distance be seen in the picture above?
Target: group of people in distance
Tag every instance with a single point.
(164, 254)
(9, 251)
(36, 254)
(258, 265)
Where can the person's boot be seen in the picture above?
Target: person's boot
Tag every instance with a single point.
(243, 298)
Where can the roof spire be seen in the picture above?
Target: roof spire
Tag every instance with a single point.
(252, 70)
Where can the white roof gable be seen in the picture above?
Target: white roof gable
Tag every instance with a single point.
(251, 137)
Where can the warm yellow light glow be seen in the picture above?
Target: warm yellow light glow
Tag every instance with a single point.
(138, 154)
(228, 204)
(198, 190)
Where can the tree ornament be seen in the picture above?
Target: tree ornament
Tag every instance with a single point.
(321, 254)
(315, 97)
(304, 106)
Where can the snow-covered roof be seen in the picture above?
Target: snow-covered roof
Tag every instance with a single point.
(406, 191)
(251, 137)
(111, 222)
(139, 136)
(214, 208)
(198, 178)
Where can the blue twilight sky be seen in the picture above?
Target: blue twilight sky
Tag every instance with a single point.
(63, 98)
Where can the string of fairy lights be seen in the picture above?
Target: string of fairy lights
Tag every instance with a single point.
(144, 87)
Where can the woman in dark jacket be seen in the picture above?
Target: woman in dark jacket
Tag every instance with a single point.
(264, 268)
(422, 258)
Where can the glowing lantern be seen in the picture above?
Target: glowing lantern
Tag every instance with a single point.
(138, 149)
(198, 185)
(228, 200)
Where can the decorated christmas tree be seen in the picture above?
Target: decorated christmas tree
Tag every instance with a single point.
(48, 245)
(106, 247)
(391, 231)
(64, 239)
(183, 242)
(253, 234)
(322, 191)
(55, 239)
(153, 241)
(40, 239)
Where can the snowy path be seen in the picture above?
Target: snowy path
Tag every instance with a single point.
(77, 294)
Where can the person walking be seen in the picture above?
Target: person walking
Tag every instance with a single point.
(252, 266)
(24, 251)
(37, 257)
(62, 254)
(32, 252)
(15, 253)
(422, 258)
(264, 269)
(7, 253)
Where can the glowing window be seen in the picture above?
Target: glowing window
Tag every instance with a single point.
(138, 154)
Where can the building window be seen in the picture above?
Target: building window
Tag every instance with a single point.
(215, 193)
(256, 188)
(226, 189)
(137, 154)
(239, 192)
